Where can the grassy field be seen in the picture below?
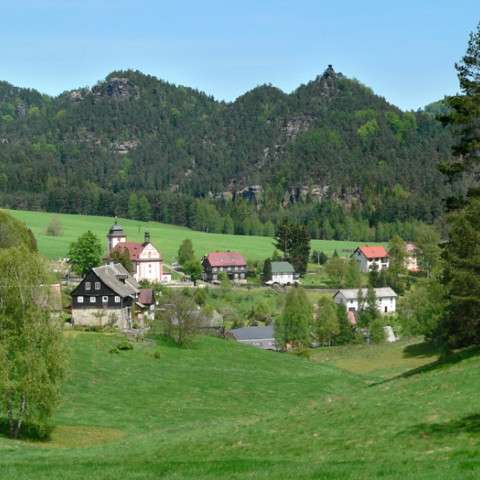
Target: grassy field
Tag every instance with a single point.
(220, 410)
(166, 238)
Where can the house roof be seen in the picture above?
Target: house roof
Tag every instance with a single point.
(226, 259)
(352, 293)
(282, 267)
(134, 249)
(146, 296)
(110, 275)
(377, 251)
(253, 333)
(410, 248)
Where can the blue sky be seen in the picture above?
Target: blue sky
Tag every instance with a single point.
(404, 50)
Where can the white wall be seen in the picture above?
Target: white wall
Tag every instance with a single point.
(282, 278)
(150, 267)
(384, 305)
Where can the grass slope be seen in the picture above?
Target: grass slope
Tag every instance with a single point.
(225, 411)
(167, 238)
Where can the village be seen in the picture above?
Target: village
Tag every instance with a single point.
(127, 296)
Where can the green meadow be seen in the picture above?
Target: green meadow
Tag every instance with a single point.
(220, 410)
(166, 238)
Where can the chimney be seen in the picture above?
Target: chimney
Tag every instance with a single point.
(147, 237)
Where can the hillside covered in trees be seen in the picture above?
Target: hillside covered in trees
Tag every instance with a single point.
(331, 154)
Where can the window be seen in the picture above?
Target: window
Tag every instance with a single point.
(105, 299)
(79, 299)
(117, 299)
(88, 285)
(97, 286)
(93, 299)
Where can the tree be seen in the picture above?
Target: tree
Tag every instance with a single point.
(259, 312)
(353, 276)
(267, 270)
(346, 333)
(370, 311)
(376, 331)
(460, 325)
(185, 252)
(294, 241)
(326, 325)
(85, 253)
(122, 256)
(32, 353)
(178, 318)
(336, 269)
(422, 307)
(144, 210)
(54, 228)
(133, 206)
(397, 270)
(293, 327)
(194, 269)
(319, 257)
(228, 225)
(428, 249)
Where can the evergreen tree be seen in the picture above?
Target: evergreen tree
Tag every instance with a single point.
(185, 252)
(428, 249)
(228, 226)
(353, 276)
(397, 271)
(133, 206)
(144, 210)
(294, 241)
(267, 270)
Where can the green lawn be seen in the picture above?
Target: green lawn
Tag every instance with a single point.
(224, 411)
(166, 238)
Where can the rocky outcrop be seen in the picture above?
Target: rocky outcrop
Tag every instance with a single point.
(123, 147)
(119, 88)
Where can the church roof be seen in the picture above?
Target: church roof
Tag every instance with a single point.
(134, 250)
(116, 230)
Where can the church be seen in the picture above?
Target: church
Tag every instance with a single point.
(146, 259)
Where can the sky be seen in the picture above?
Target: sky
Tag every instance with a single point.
(404, 50)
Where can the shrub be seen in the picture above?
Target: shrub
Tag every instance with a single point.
(376, 331)
(124, 345)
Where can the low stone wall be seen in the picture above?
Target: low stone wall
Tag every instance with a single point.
(99, 317)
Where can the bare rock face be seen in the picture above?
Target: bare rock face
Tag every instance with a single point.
(297, 125)
(21, 110)
(326, 84)
(76, 96)
(122, 148)
(116, 87)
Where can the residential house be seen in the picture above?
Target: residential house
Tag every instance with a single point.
(411, 262)
(386, 299)
(146, 259)
(232, 263)
(109, 295)
(283, 273)
(260, 337)
(370, 256)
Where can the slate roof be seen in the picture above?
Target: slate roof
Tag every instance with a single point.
(109, 275)
(116, 230)
(282, 267)
(373, 252)
(226, 259)
(352, 293)
(253, 333)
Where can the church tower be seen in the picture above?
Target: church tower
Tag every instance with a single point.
(115, 236)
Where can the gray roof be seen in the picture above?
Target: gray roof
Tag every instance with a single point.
(116, 230)
(282, 267)
(110, 275)
(253, 333)
(352, 293)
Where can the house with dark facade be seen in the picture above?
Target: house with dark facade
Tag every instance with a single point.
(108, 295)
(231, 263)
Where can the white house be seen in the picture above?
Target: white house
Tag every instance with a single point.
(146, 259)
(386, 299)
(283, 273)
(368, 256)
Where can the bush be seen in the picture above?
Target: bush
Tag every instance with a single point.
(124, 345)
(376, 331)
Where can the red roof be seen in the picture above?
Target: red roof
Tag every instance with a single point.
(134, 249)
(146, 296)
(373, 252)
(226, 259)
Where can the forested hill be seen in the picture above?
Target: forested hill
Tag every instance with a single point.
(331, 153)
